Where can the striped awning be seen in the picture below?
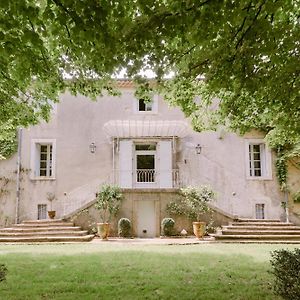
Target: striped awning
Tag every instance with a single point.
(138, 128)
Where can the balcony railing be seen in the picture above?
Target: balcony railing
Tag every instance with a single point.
(145, 175)
(150, 177)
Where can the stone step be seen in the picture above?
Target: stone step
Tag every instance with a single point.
(32, 231)
(260, 232)
(254, 230)
(49, 224)
(257, 236)
(43, 221)
(241, 241)
(39, 229)
(46, 239)
(261, 224)
(254, 227)
(43, 233)
(258, 220)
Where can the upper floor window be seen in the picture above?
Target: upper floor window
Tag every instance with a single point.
(43, 159)
(145, 106)
(142, 106)
(256, 153)
(258, 160)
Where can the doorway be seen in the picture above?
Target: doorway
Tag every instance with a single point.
(146, 219)
(145, 165)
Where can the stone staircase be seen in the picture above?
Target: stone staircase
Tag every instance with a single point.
(44, 231)
(259, 231)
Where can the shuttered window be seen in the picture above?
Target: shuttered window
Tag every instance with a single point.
(42, 211)
(256, 157)
(45, 160)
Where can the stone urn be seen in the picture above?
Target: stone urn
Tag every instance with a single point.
(51, 214)
(103, 230)
(199, 229)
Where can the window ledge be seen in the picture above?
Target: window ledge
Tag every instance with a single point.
(42, 178)
(259, 178)
(146, 113)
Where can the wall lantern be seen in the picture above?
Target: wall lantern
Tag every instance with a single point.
(93, 147)
(198, 149)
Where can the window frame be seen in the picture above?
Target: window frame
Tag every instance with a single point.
(42, 208)
(154, 107)
(35, 159)
(265, 160)
(260, 208)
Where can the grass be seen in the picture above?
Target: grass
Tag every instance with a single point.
(108, 271)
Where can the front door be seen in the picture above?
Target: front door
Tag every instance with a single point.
(146, 220)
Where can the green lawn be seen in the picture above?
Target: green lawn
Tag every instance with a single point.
(113, 271)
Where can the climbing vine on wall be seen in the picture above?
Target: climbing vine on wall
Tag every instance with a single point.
(281, 169)
(287, 147)
(4, 181)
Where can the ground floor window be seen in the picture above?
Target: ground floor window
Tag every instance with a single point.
(260, 211)
(42, 211)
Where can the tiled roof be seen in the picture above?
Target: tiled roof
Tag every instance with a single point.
(128, 83)
(125, 83)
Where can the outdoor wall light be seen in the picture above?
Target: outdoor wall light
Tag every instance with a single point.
(198, 149)
(93, 147)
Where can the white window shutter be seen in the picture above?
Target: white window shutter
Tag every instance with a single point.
(155, 104)
(37, 154)
(165, 164)
(125, 164)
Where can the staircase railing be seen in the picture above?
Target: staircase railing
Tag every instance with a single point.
(84, 195)
(81, 196)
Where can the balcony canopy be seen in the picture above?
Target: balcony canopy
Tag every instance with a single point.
(137, 128)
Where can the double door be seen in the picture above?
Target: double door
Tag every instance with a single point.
(145, 164)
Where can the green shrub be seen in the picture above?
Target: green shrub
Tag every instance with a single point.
(286, 269)
(193, 203)
(108, 202)
(3, 272)
(124, 227)
(167, 226)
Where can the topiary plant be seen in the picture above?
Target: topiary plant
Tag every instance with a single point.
(167, 226)
(108, 202)
(124, 227)
(193, 204)
(196, 200)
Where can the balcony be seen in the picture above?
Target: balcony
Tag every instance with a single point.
(151, 178)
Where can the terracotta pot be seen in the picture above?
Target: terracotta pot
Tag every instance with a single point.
(103, 230)
(199, 229)
(51, 214)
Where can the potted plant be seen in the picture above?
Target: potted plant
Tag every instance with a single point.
(196, 200)
(108, 203)
(51, 198)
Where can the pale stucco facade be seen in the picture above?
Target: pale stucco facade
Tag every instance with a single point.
(76, 173)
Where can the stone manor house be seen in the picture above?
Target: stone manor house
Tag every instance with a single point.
(149, 150)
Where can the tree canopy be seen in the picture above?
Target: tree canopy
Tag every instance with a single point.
(245, 53)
